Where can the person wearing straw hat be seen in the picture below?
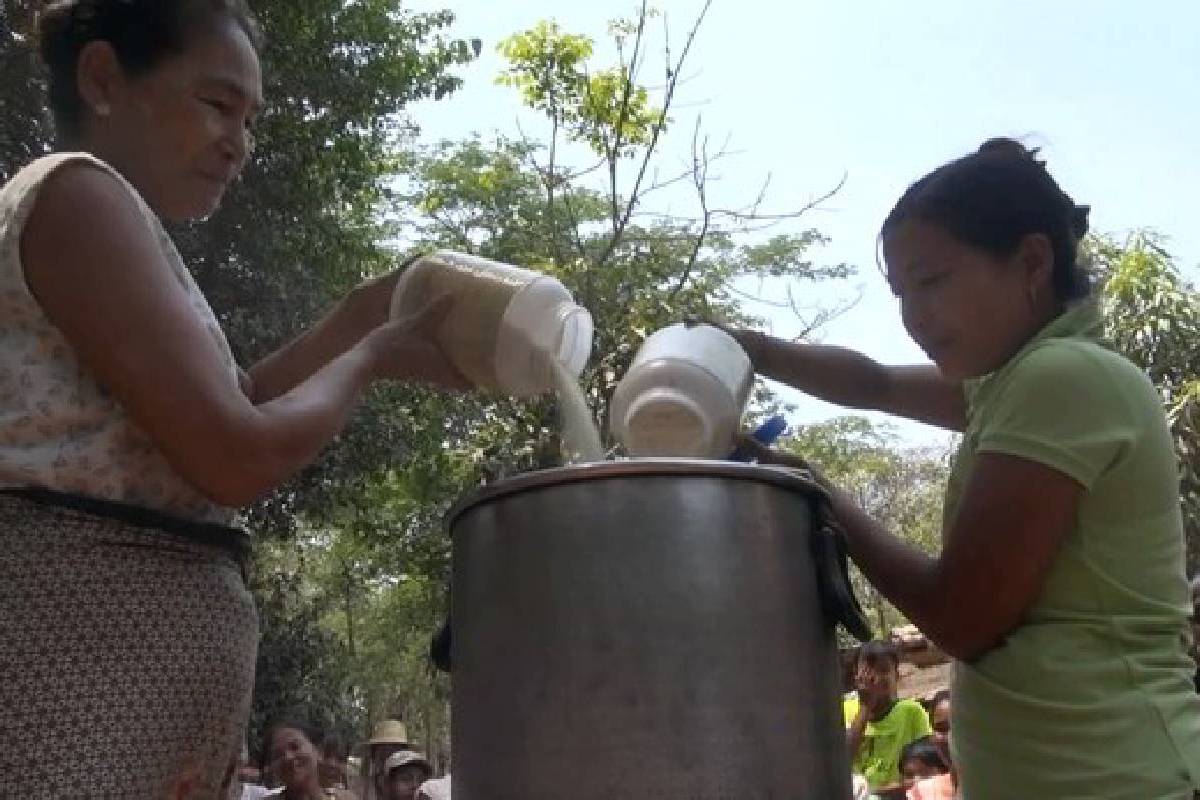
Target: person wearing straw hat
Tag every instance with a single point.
(390, 736)
(403, 773)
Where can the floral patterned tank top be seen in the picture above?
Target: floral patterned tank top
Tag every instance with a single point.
(60, 429)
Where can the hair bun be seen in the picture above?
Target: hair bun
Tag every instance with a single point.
(1010, 148)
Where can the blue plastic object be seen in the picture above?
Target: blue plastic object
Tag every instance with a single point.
(765, 434)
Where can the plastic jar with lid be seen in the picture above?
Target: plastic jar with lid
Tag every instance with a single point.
(508, 325)
(683, 395)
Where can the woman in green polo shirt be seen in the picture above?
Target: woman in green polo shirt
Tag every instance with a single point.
(1060, 586)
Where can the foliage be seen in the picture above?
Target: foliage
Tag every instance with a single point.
(605, 109)
(636, 271)
(25, 129)
(301, 664)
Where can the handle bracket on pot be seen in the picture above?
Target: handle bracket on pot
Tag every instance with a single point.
(833, 579)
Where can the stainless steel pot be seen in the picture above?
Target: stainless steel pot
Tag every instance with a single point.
(648, 629)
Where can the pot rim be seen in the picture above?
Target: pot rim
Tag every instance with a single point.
(781, 477)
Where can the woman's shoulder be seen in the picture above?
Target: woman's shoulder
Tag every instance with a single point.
(75, 181)
(1077, 368)
(37, 171)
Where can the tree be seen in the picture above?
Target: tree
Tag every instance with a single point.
(25, 130)
(302, 665)
(635, 270)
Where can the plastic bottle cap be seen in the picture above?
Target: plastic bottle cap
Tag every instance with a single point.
(666, 423)
(575, 336)
(771, 430)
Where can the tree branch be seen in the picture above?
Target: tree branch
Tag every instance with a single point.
(754, 215)
(700, 164)
(546, 179)
(629, 76)
(656, 132)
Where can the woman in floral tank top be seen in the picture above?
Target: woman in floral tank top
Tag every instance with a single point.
(128, 434)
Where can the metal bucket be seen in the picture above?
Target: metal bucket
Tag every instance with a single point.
(649, 629)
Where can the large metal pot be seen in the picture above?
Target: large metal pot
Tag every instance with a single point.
(648, 629)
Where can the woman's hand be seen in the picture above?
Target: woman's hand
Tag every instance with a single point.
(363, 309)
(371, 300)
(778, 458)
(754, 342)
(407, 349)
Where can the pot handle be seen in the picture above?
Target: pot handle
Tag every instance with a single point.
(833, 581)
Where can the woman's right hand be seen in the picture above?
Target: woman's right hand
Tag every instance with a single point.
(754, 342)
(407, 349)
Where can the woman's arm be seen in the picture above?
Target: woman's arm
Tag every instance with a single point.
(132, 325)
(848, 378)
(1012, 520)
(365, 308)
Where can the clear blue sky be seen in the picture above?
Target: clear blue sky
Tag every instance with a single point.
(885, 91)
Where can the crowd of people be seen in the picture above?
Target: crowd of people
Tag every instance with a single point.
(302, 761)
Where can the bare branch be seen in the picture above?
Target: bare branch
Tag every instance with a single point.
(458, 233)
(684, 175)
(547, 177)
(656, 132)
(754, 215)
(823, 315)
(700, 164)
(572, 175)
(629, 75)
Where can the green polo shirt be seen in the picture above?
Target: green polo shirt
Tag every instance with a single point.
(1091, 695)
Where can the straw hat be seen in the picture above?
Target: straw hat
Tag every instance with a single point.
(389, 731)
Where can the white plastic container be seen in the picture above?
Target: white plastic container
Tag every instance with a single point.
(508, 324)
(683, 395)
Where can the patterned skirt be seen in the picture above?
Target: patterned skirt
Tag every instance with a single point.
(126, 654)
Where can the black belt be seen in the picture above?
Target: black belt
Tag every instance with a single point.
(235, 540)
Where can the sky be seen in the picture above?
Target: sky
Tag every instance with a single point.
(881, 93)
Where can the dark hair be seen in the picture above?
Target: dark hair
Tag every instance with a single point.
(994, 198)
(142, 32)
(296, 721)
(936, 699)
(926, 751)
(877, 652)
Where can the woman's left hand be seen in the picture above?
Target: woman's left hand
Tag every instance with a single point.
(371, 300)
(779, 458)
